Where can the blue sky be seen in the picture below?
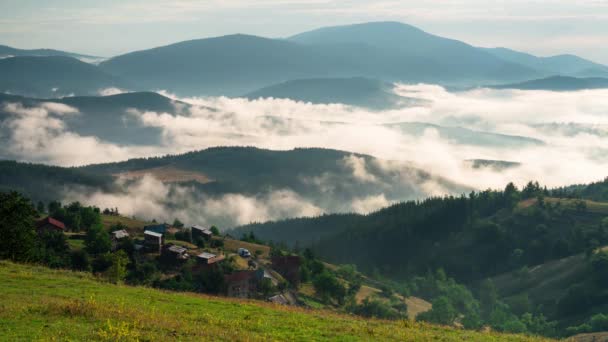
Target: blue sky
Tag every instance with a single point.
(110, 27)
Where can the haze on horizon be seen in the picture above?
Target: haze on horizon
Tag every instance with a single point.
(544, 27)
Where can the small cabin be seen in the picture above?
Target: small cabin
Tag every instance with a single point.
(201, 232)
(117, 236)
(176, 252)
(206, 258)
(153, 242)
(50, 224)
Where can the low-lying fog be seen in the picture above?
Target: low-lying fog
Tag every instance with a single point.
(569, 132)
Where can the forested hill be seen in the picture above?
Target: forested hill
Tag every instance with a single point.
(471, 237)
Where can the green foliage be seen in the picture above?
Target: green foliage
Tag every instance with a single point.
(17, 232)
(177, 223)
(488, 298)
(328, 287)
(118, 269)
(377, 309)
(443, 312)
(97, 240)
(75, 216)
(80, 261)
(599, 266)
(214, 230)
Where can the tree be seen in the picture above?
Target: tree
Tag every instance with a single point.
(80, 260)
(40, 207)
(97, 240)
(214, 230)
(118, 270)
(599, 265)
(443, 312)
(488, 297)
(329, 287)
(177, 223)
(17, 231)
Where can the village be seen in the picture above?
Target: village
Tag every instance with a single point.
(197, 258)
(254, 273)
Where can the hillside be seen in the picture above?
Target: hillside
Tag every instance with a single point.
(106, 117)
(229, 65)
(569, 65)
(295, 169)
(558, 83)
(359, 92)
(46, 183)
(37, 305)
(53, 76)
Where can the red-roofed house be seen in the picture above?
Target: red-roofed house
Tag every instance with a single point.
(50, 224)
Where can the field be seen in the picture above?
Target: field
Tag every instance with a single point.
(134, 226)
(167, 174)
(592, 207)
(37, 303)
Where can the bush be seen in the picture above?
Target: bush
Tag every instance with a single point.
(375, 308)
(329, 287)
(97, 240)
(443, 312)
(80, 261)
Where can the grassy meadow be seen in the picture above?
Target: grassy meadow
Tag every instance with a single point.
(38, 303)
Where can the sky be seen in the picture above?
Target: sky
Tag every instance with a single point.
(111, 27)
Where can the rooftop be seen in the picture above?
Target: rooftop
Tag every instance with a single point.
(178, 249)
(206, 255)
(52, 222)
(149, 232)
(119, 234)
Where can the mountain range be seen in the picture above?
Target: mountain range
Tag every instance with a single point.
(241, 64)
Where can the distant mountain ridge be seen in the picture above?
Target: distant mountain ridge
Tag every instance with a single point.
(558, 83)
(53, 76)
(569, 65)
(239, 64)
(8, 51)
(355, 91)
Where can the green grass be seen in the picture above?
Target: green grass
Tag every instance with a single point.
(38, 303)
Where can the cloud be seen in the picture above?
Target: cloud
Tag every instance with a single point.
(369, 204)
(149, 198)
(39, 134)
(111, 91)
(357, 166)
(572, 125)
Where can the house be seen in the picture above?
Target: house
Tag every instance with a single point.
(242, 284)
(153, 242)
(201, 232)
(158, 228)
(50, 224)
(288, 267)
(209, 259)
(118, 235)
(175, 252)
